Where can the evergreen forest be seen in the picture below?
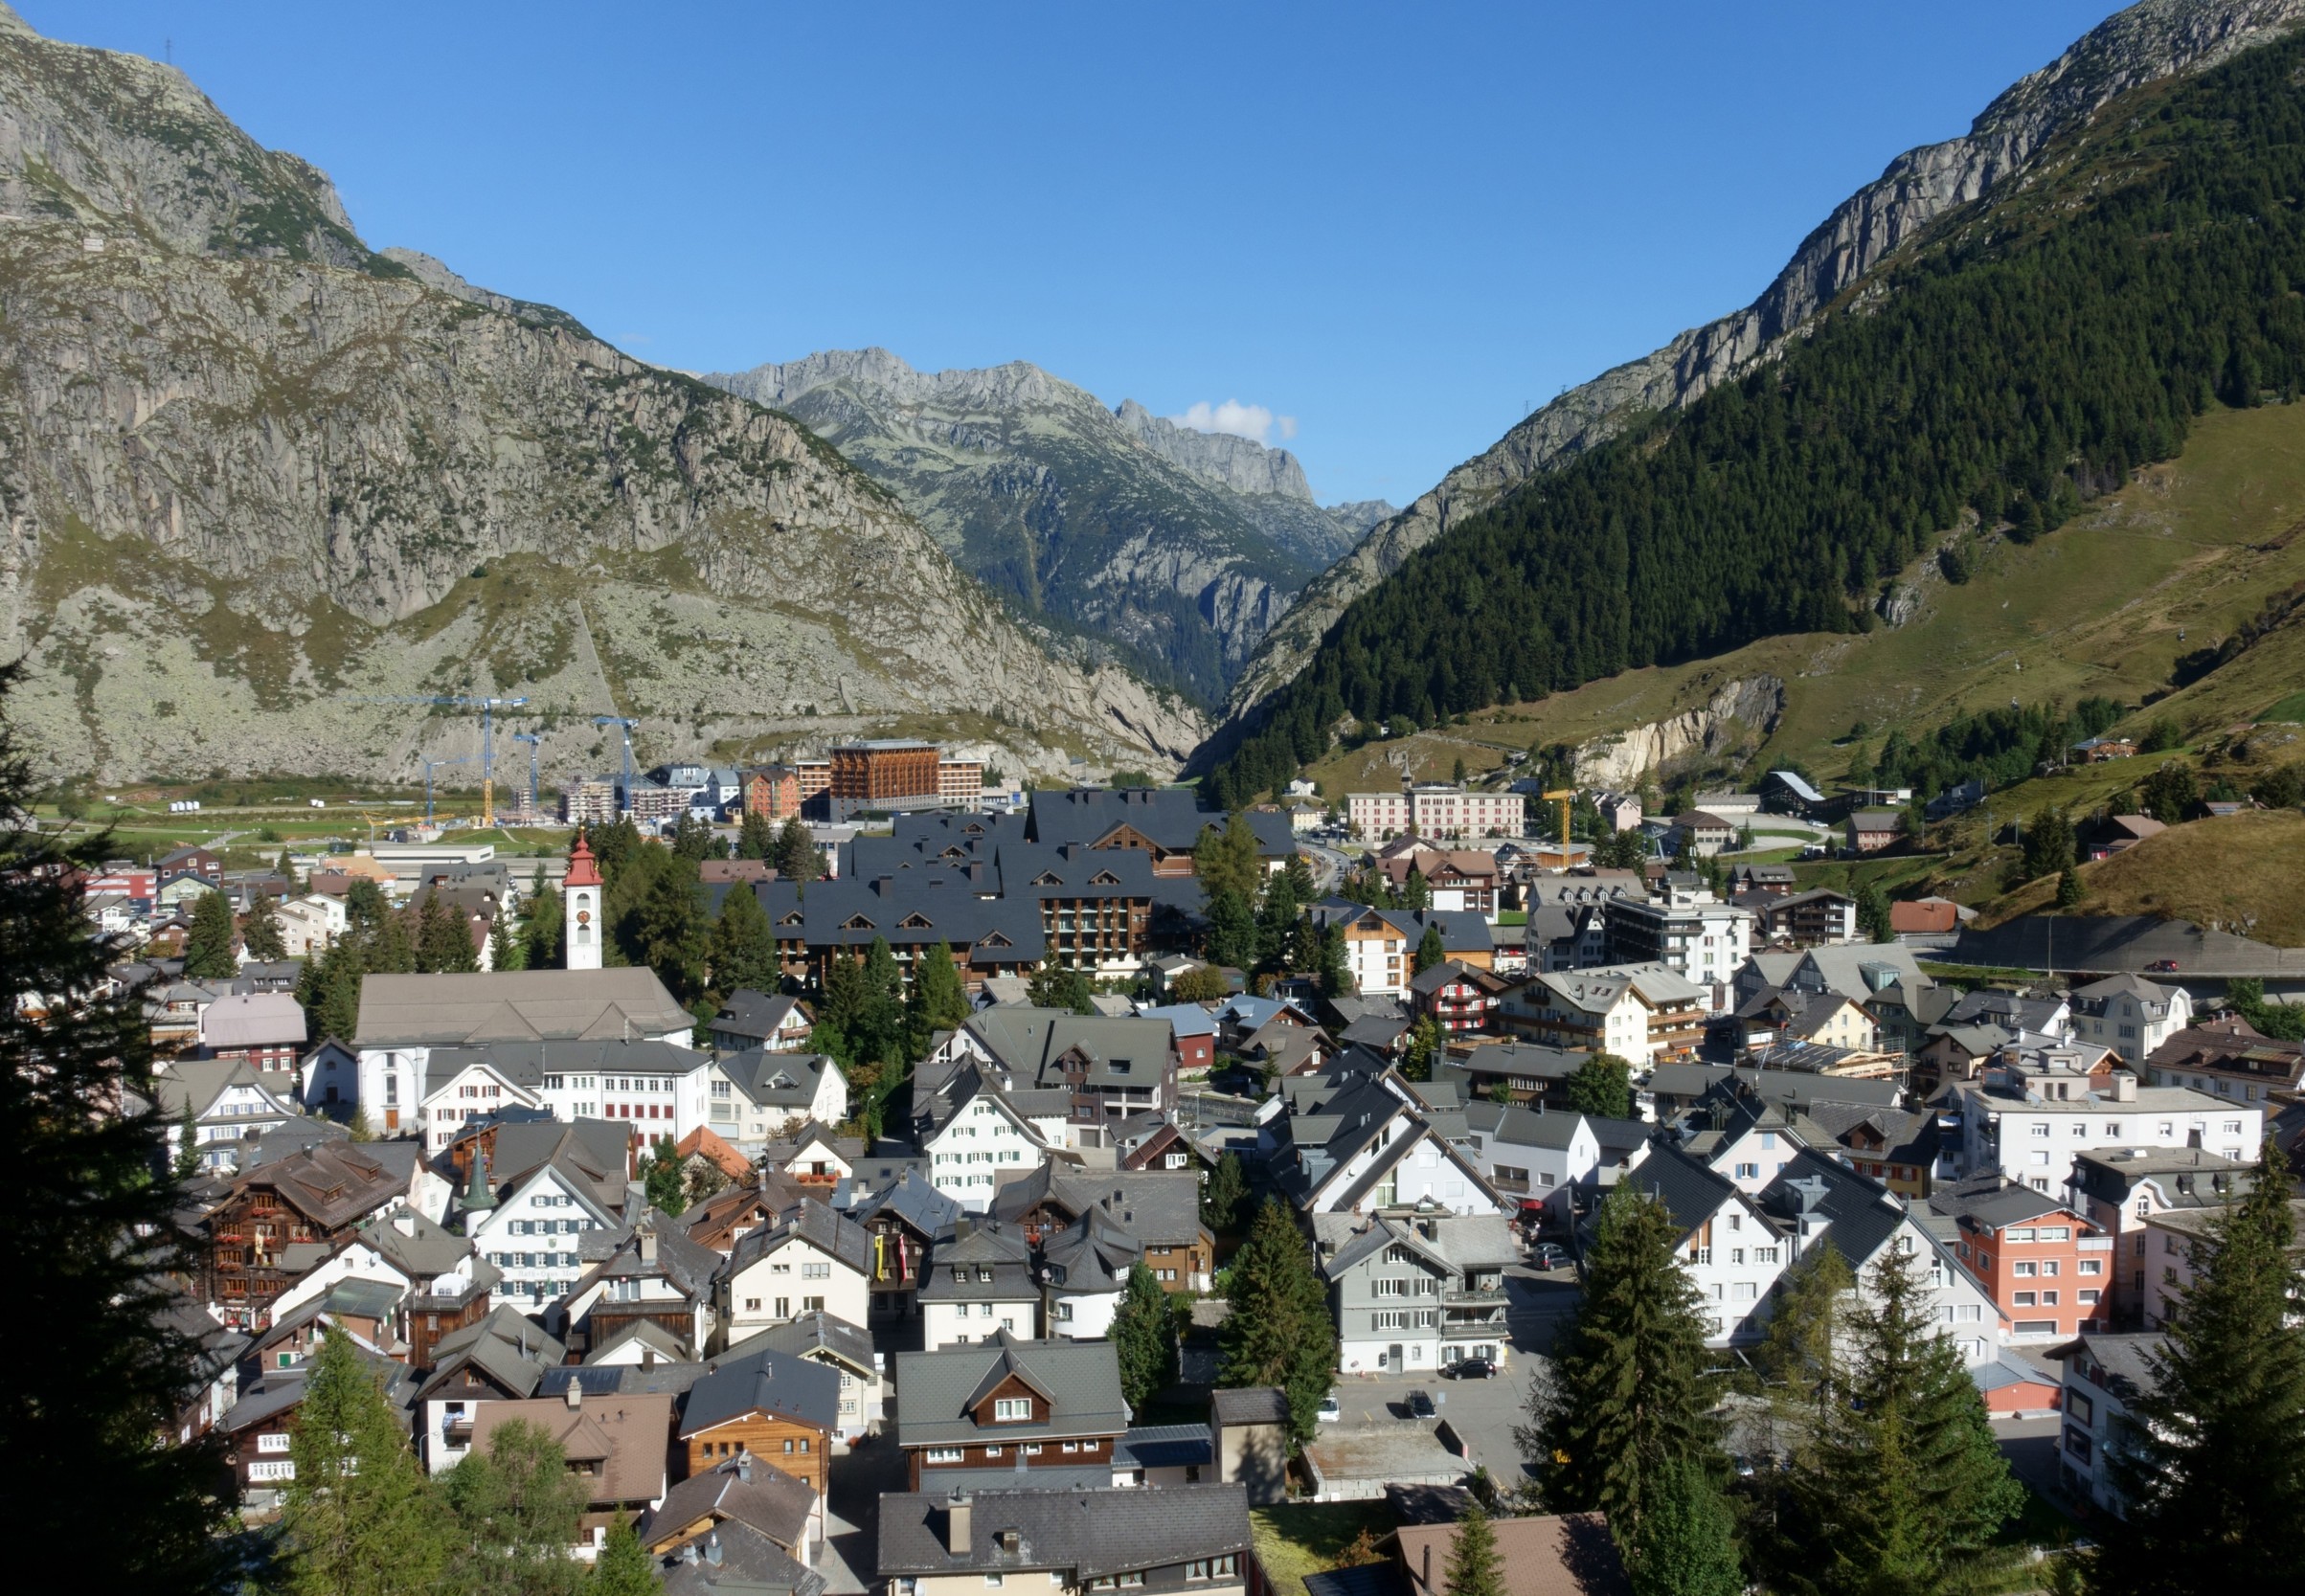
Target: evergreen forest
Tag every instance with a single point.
(2027, 356)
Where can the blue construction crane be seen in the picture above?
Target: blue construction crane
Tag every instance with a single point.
(431, 765)
(532, 739)
(488, 705)
(624, 726)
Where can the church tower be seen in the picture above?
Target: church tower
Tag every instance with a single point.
(580, 910)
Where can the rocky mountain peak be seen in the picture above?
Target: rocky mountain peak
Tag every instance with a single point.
(1240, 463)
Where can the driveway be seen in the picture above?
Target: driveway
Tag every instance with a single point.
(852, 1559)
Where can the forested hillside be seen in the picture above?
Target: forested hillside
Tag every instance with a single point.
(2026, 357)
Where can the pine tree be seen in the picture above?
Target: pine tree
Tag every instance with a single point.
(1143, 1339)
(939, 1000)
(1602, 1086)
(1628, 1394)
(334, 1004)
(360, 1515)
(92, 1237)
(1797, 1355)
(2213, 1468)
(541, 930)
(1226, 861)
(839, 1015)
(1057, 985)
(1277, 921)
(2068, 887)
(1336, 969)
(1904, 1483)
(1686, 1544)
(262, 933)
(504, 948)
(880, 1028)
(1430, 950)
(392, 947)
(1873, 911)
(1280, 1332)
(1416, 892)
(516, 1509)
(208, 944)
(444, 939)
(624, 1567)
(186, 1168)
(1474, 1567)
(744, 944)
(666, 931)
(1232, 930)
(756, 838)
(1222, 1195)
(796, 857)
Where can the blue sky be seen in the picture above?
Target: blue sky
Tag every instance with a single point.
(1396, 226)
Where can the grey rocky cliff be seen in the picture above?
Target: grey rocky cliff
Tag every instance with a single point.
(2157, 38)
(1179, 546)
(250, 471)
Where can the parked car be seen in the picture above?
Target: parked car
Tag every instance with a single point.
(1549, 1256)
(1331, 1409)
(2161, 967)
(1469, 1368)
(1421, 1405)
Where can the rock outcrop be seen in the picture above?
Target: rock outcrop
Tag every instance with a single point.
(2157, 38)
(250, 473)
(1736, 710)
(1182, 547)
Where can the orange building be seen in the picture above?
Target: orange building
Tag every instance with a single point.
(773, 792)
(2047, 1270)
(886, 768)
(815, 776)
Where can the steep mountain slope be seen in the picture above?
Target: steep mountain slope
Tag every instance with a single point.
(1180, 545)
(250, 470)
(2149, 41)
(2038, 346)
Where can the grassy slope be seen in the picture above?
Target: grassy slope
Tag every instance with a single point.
(2194, 545)
(2223, 873)
(1308, 1538)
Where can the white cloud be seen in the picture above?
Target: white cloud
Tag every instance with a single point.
(1255, 422)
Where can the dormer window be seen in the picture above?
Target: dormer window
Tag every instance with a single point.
(1011, 1410)
(856, 922)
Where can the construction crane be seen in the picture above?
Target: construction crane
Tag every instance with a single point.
(488, 705)
(625, 727)
(532, 739)
(431, 765)
(1563, 798)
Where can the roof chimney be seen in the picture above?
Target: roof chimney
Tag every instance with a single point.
(1427, 1573)
(744, 1466)
(711, 1548)
(955, 1523)
(2124, 1086)
(688, 1554)
(575, 1391)
(648, 1244)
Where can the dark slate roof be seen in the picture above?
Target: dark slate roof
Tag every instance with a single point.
(1991, 1203)
(1093, 1532)
(916, 1201)
(1093, 1255)
(1373, 1578)
(822, 1227)
(506, 1347)
(1171, 818)
(769, 1381)
(987, 1246)
(2126, 1359)
(815, 1331)
(746, 1012)
(934, 1390)
(1519, 1127)
(919, 905)
(778, 1080)
(748, 1490)
(1864, 1213)
(666, 1378)
(1690, 1191)
(1154, 1205)
(748, 1565)
(1249, 1404)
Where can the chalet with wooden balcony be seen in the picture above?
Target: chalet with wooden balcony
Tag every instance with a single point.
(779, 1408)
(1413, 1291)
(653, 1274)
(1159, 1209)
(1458, 997)
(311, 1200)
(1010, 1414)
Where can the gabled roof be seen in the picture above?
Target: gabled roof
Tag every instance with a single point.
(1082, 1380)
(1862, 1212)
(766, 1381)
(1090, 1533)
(1689, 1190)
(506, 1348)
(746, 1012)
(746, 1489)
(331, 1182)
(812, 1223)
(814, 1331)
(516, 1005)
(915, 1201)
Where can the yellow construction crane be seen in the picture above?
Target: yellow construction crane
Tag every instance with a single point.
(1563, 798)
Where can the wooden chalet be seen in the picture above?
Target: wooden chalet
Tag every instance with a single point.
(311, 1200)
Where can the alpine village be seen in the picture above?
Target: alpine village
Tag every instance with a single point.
(838, 979)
